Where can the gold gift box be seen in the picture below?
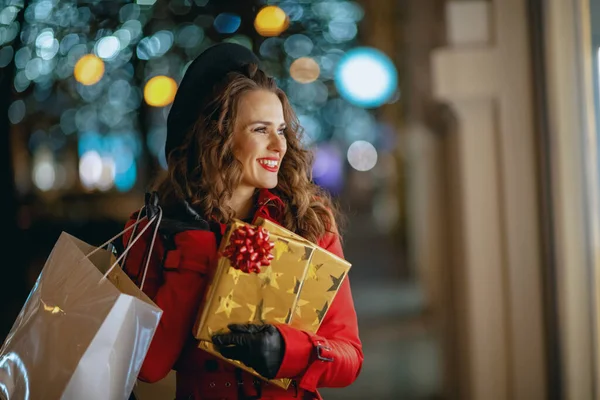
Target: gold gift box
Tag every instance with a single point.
(325, 274)
(296, 289)
(270, 296)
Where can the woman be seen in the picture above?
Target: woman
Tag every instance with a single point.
(233, 152)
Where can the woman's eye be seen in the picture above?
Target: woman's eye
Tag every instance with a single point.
(281, 132)
(261, 129)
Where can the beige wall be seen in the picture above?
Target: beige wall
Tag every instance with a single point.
(490, 162)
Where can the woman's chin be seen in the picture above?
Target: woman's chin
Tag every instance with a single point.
(268, 185)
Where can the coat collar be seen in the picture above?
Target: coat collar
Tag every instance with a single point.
(269, 206)
(265, 197)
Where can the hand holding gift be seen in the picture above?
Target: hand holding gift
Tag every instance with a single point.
(260, 347)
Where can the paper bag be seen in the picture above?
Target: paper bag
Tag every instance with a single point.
(78, 336)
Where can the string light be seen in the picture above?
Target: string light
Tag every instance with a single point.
(271, 21)
(89, 69)
(160, 91)
(304, 70)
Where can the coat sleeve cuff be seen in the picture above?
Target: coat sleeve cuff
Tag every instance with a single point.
(298, 350)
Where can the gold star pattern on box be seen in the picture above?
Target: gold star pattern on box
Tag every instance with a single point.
(307, 254)
(281, 246)
(301, 303)
(296, 288)
(337, 281)
(285, 319)
(269, 278)
(259, 311)
(226, 304)
(320, 314)
(313, 271)
(235, 273)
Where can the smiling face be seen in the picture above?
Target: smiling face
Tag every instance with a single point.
(258, 139)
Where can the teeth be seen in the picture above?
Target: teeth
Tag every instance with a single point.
(269, 163)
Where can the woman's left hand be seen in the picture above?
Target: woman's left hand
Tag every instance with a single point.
(260, 347)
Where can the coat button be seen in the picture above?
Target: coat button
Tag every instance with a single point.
(227, 384)
(212, 384)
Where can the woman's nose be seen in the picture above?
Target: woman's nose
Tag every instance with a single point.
(277, 143)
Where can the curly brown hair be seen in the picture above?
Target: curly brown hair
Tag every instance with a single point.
(204, 172)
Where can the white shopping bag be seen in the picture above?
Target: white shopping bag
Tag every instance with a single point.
(84, 330)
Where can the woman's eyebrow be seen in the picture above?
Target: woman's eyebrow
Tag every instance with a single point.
(268, 123)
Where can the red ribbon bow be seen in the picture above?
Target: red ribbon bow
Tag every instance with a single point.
(249, 249)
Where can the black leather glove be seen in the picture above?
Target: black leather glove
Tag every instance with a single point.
(260, 347)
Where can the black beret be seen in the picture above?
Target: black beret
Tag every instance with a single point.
(207, 70)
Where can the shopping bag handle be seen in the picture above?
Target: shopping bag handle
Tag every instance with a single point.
(131, 242)
(153, 210)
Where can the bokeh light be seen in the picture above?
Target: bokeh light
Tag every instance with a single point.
(271, 21)
(160, 91)
(362, 155)
(90, 168)
(227, 23)
(298, 46)
(43, 173)
(304, 70)
(16, 111)
(107, 174)
(89, 70)
(124, 181)
(328, 170)
(366, 77)
(139, 54)
(108, 47)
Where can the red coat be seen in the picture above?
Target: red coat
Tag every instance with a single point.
(176, 280)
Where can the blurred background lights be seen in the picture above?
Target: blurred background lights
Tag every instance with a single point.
(160, 91)
(366, 77)
(16, 111)
(341, 31)
(107, 174)
(124, 181)
(6, 55)
(298, 45)
(44, 174)
(46, 45)
(129, 11)
(227, 23)
(155, 46)
(188, 36)
(328, 168)
(271, 21)
(42, 10)
(8, 14)
(108, 47)
(312, 129)
(66, 43)
(293, 10)
(89, 70)
(145, 2)
(304, 70)
(362, 155)
(90, 168)
(271, 48)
